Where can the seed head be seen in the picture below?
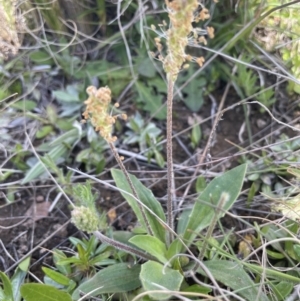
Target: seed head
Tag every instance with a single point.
(97, 107)
(85, 219)
(182, 14)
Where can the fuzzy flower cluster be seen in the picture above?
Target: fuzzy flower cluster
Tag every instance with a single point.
(11, 26)
(86, 219)
(181, 32)
(97, 108)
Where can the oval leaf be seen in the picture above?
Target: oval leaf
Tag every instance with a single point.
(44, 131)
(39, 168)
(282, 290)
(146, 197)
(118, 278)
(230, 183)
(154, 276)
(233, 275)
(56, 276)
(152, 245)
(59, 149)
(38, 292)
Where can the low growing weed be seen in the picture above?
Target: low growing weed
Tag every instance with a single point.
(165, 246)
(171, 253)
(272, 164)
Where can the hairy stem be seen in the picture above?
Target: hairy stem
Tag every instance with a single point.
(123, 247)
(170, 171)
(134, 192)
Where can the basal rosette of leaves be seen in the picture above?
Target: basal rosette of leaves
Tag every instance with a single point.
(281, 31)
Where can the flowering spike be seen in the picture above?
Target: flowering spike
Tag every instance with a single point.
(97, 107)
(182, 15)
(85, 219)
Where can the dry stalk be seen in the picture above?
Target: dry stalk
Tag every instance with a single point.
(182, 15)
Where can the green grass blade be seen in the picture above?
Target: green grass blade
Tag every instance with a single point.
(271, 273)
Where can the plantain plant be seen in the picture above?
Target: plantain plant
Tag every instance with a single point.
(165, 249)
(168, 256)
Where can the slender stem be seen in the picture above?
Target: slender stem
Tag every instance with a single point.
(170, 170)
(134, 192)
(123, 247)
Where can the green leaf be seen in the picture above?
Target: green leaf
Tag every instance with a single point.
(106, 70)
(196, 135)
(204, 209)
(24, 265)
(66, 138)
(44, 131)
(275, 255)
(146, 196)
(38, 292)
(154, 276)
(41, 57)
(152, 245)
(101, 259)
(198, 289)
(251, 194)
(69, 260)
(253, 176)
(82, 254)
(60, 255)
(118, 278)
(233, 275)
(200, 184)
(7, 287)
(193, 97)
(159, 158)
(183, 220)
(152, 102)
(55, 153)
(146, 68)
(296, 249)
(123, 236)
(296, 88)
(38, 168)
(282, 290)
(56, 276)
(64, 124)
(174, 249)
(26, 105)
(65, 96)
(18, 278)
(159, 85)
(279, 276)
